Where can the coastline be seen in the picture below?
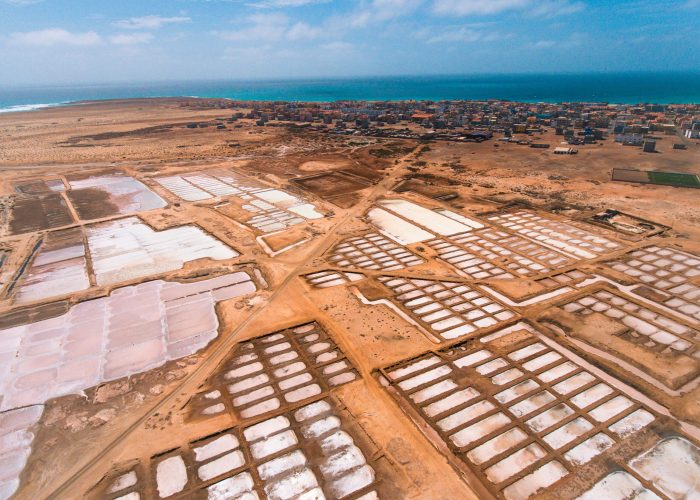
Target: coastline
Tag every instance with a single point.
(614, 88)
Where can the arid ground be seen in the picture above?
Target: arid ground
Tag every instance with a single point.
(273, 312)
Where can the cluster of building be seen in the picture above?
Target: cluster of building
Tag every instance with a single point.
(577, 123)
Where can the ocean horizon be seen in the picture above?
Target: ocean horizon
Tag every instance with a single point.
(615, 88)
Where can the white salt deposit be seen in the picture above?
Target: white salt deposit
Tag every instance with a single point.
(514, 463)
(341, 462)
(127, 249)
(134, 329)
(321, 427)
(171, 476)
(434, 221)
(632, 423)
(673, 465)
(433, 391)
(123, 482)
(239, 487)
(465, 415)
(221, 465)
(478, 430)
(292, 485)
(277, 466)
(128, 194)
(541, 478)
(220, 445)
(567, 433)
(496, 446)
(618, 484)
(584, 452)
(353, 481)
(396, 228)
(266, 428)
(273, 444)
(461, 218)
(311, 411)
(425, 377)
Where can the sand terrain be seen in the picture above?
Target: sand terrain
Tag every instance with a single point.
(312, 224)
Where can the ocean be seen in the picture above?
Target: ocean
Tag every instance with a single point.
(624, 88)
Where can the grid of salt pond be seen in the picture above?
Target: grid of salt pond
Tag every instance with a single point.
(669, 271)
(135, 329)
(327, 279)
(60, 268)
(120, 251)
(655, 331)
(670, 468)
(269, 372)
(126, 193)
(449, 309)
(400, 219)
(274, 209)
(125, 249)
(15, 445)
(571, 238)
(372, 251)
(309, 453)
(489, 253)
(521, 415)
(200, 186)
(562, 279)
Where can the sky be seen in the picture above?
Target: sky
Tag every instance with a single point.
(95, 41)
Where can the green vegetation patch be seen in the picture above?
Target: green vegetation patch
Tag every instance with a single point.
(674, 179)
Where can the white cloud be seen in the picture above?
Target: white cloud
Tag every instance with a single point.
(378, 11)
(339, 46)
(535, 8)
(150, 22)
(554, 8)
(465, 35)
(542, 44)
(130, 38)
(272, 4)
(478, 7)
(54, 36)
(259, 27)
(574, 40)
(272, 27)
(22, 2)
(303, 31)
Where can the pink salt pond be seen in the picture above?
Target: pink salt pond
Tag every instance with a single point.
(135, 329)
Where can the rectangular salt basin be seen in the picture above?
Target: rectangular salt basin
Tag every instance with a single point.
(461, 218)
(278, 197)
(496, 446)
(291, 486)
(465, 415)
(306, 210)
(541, 478)
(619, 484)
(432, 391)
(396, 228)
(480, 429)
(514, 463)
(673, 465)
(434, 221)
(425, 377)
(455, 399)
(568, 432)
(183, 189)
(129, 194)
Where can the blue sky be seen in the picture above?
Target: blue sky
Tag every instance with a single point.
(72, 41)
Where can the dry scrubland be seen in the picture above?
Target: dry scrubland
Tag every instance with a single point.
(275, 312)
